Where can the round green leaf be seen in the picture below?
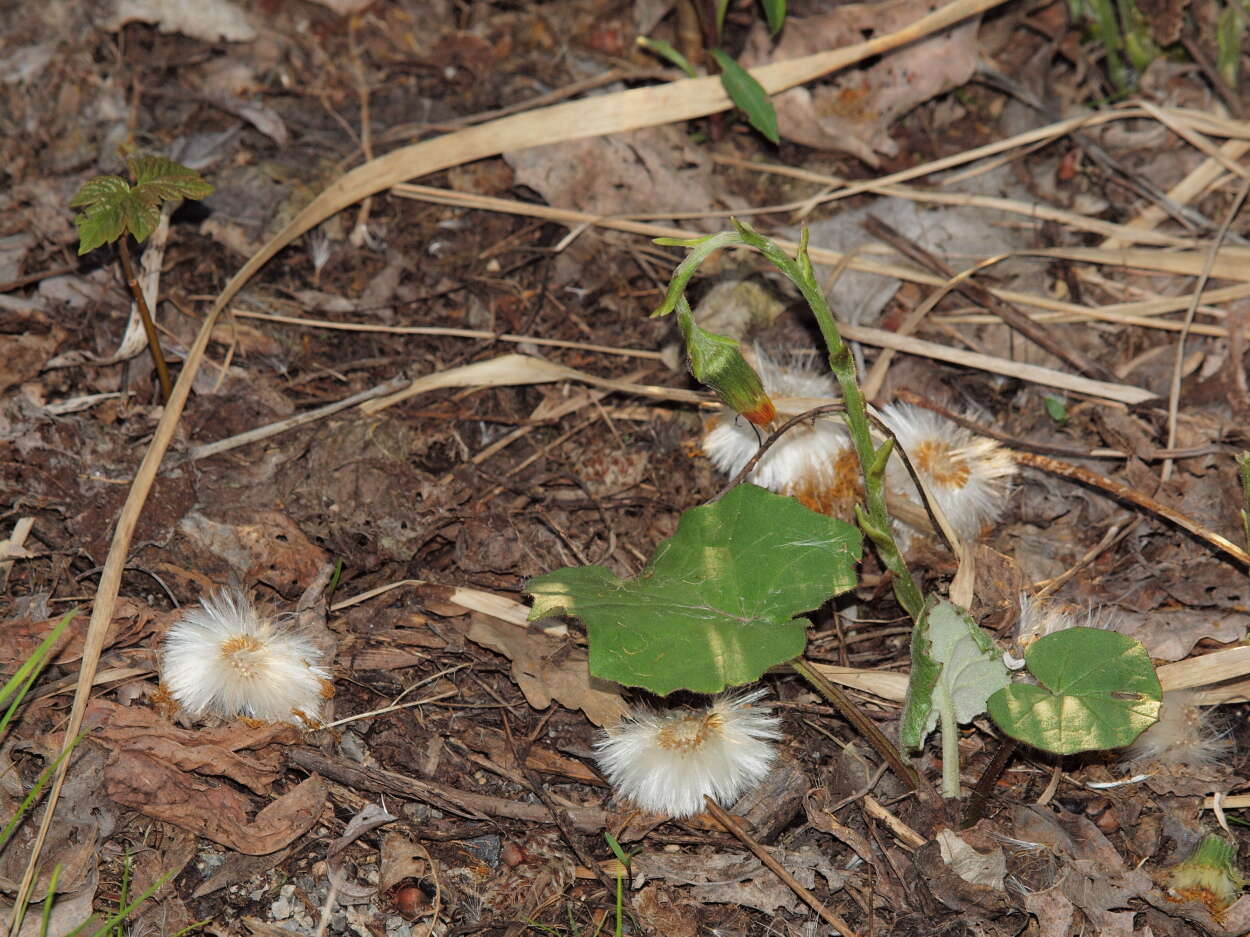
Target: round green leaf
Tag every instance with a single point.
(1099, 691)
(716, 606)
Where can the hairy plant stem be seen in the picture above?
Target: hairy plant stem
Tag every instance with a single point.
(949, 728)
(866, 727)
(149, 327)
(873, 518)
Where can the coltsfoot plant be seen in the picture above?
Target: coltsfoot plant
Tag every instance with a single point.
(718, 604)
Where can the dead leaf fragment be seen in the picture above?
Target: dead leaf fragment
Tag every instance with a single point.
(213, 809)
(547, 668)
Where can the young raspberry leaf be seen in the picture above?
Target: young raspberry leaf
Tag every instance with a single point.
(1099, 690)
(103, 219)
(716, 605)
(158, 179)
(113, 207)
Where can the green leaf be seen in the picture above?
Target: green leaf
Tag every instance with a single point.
(100, 189)
(1099, 690)
(1228, 33)
(1056, 409)
(748, 94)
(715, 607)
(141, 217)
(103, 219)
(722, 7)
(158, 179)
(775, 12)
(665, 51)
(952, 659)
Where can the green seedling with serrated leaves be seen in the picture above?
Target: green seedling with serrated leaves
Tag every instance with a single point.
(113, 208)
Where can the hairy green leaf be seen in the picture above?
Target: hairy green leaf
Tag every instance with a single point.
(716, 606)
(952, 659)
(1098, 690)
(749, 95)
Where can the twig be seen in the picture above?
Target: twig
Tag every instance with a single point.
(1174, 393)
(728, 822)
(905, 833)
(865, 726)
(467, 804)
(985, 784)
(1014, 317)
(149, 327)
(300, 419)
(806, 416)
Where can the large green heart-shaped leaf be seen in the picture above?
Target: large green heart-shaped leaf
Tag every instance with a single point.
(716, 606)
(1099, 690)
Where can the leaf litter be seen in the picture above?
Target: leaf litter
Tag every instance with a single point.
(467, 487)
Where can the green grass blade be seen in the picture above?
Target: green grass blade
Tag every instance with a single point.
(28, 801)
(661, 49)
(749, 95)
(37, 659)
(46, 920)
(775, 13)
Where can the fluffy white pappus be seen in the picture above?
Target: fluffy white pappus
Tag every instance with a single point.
(1186, 734)
(968, 475)
(1039, 618)
(665, 762)
(797, 376)
(224, 659)
(813, 462)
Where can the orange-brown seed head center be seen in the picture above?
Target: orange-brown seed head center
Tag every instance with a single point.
(936, 460)
(689, 733)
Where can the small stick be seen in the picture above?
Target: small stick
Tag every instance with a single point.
(985, 784)
(909, 837)
(149, 327)
(728, 822)
(1014, 317)
(876, 738)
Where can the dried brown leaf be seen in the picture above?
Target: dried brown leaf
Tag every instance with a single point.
(549, 668)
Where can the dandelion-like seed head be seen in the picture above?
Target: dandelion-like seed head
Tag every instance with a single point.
(968, 475)
(813, 462)
(665, 762)
(1186, 734)
(224, 659)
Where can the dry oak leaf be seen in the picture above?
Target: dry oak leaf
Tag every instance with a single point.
(549, 668)
(211, 808)
(211, 752)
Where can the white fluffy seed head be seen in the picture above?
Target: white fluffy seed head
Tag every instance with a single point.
(968, 475)
(665, 762)
(812, 462)
(1186, 733)
(222, 658)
